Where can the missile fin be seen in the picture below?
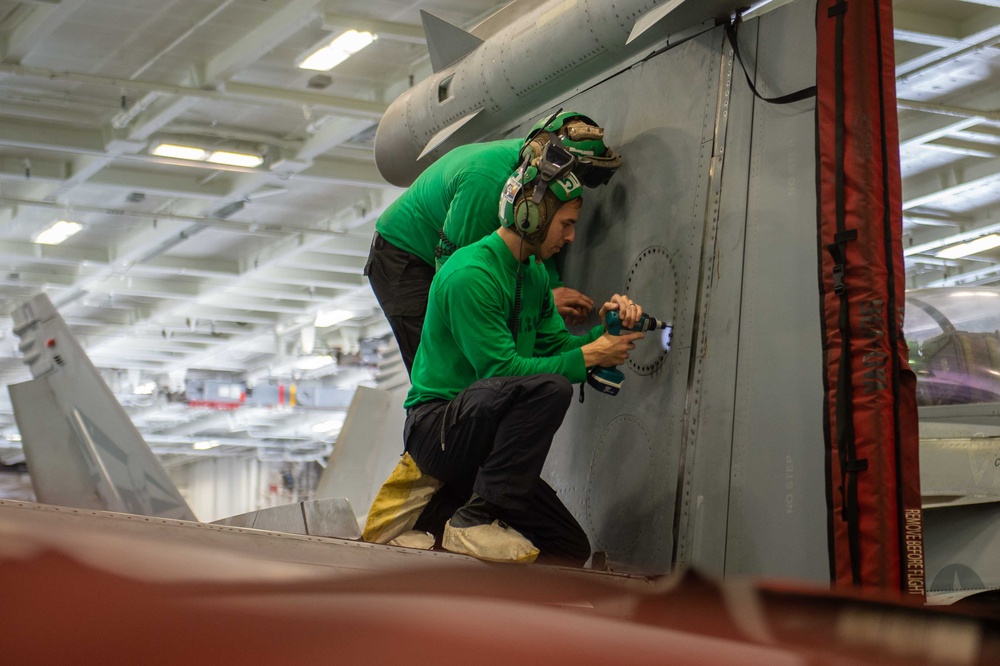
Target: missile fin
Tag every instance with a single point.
(446, 43)
(651, 18)
(443, 135)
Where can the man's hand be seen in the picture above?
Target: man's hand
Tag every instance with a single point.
(628, 310)
(609, 350)
(572, 305)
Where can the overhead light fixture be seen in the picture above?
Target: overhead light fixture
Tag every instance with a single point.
(196, 154)
(331, 54)
(235, 159)
(313, 362)
(12, 437)
(331, 317)
(57, 232)
(180, 152)
(976, 246)
(205, 445)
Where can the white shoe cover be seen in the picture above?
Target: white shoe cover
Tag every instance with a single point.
(414, 539)
(495, 542)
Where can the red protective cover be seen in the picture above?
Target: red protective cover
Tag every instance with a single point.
(873, 482)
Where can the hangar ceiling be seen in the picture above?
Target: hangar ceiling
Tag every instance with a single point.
(193, 271)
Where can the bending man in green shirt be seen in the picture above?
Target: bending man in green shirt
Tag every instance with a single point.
(453, 204)
(491, 384)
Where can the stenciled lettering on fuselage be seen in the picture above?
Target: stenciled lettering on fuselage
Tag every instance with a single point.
(914, 538)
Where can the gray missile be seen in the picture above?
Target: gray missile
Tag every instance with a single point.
(487, 79)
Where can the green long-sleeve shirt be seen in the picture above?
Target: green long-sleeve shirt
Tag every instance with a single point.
(460, 195)
(467, 330)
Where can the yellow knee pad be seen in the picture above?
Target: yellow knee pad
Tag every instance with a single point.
(399, 502)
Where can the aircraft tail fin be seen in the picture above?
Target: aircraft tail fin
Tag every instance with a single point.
(81, 447)
(446, 43)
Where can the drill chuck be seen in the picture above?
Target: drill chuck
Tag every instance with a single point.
(647, 323)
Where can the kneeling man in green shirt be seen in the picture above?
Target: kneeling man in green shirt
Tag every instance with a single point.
(491, 383)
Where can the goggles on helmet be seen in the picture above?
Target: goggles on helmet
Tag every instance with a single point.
(555, 162)
(594, 171)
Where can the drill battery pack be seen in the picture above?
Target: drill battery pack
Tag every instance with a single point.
(606, 380)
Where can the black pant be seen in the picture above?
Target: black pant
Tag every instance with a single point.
(401, 282)
(492, 439)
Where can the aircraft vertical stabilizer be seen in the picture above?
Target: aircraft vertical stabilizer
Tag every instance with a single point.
(358, 465)
(81, 448)
(446, 43)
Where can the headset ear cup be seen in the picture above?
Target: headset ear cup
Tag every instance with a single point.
(541, 214)
(526, 216)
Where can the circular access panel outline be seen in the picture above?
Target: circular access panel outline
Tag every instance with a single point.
(620, 484)
(652, 282)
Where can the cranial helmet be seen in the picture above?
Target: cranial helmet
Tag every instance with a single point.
(538, 188)
(581, 136)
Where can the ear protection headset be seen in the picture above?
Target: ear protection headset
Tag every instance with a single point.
(534, 192)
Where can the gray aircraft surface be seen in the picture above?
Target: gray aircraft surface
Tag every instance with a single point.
(712, 455)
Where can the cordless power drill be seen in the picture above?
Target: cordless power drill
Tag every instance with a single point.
(609, 380)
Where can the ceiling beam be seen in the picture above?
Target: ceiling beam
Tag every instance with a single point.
(91, 144)
(964, 147)
(126, 356)
(949, 182)
(923, 29)
(306, 295)
(25, 169)
(228, 92)
(39, 24)
(287, 275)
(252, 304)
(949, 110)
(155, 219)
(330, 134)
(261, 40)
(37, 279)
(208, 314)
(978, 276)
(330, 261)
(343, 172)
(24, 134)
(185, 184)
(127, 285)
(971, 44)
(52, 254)
(930, 128)
(354, 108)
(206, 268)
(931, 246)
